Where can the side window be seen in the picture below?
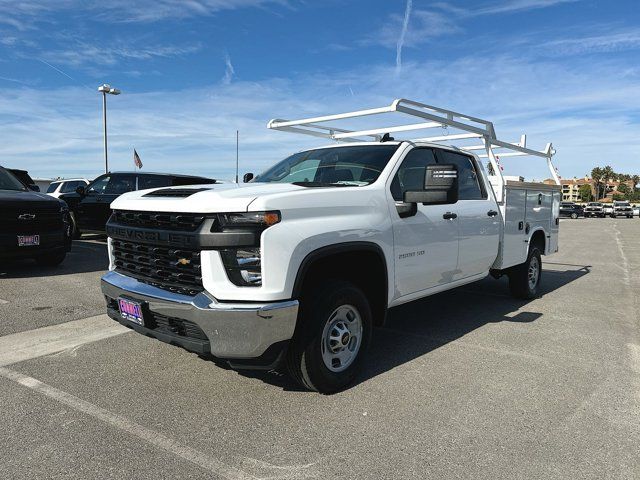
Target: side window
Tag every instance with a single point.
(99, 186)
(68, 187)
(152, 181)
(469, 186)
(120, 184)
(410, 175)
(52, 187)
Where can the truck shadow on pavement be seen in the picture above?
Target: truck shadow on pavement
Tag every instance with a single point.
(417, 328)
(86, 255)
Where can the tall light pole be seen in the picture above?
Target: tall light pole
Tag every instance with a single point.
(104, 88)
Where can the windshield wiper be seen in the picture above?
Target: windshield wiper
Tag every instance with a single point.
(319, 184)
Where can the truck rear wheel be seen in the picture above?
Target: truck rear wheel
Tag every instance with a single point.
(524, 279)
(333, 332)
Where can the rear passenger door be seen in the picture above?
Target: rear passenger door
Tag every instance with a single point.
(478, 218)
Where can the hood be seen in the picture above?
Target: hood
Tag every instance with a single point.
(28, 200)
(216, 198)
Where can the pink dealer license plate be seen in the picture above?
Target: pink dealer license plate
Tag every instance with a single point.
(28, 240)
(130, 310)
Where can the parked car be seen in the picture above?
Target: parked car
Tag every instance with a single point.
(622, 208)
(594, 209)
(34, 225)
(297, 266)
(24, 178)
(91, 205)
(68, 185)
(608, 209)
(636, 210)
(571, 210)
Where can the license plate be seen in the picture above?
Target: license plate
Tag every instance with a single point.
(28, 240)
(130, 310)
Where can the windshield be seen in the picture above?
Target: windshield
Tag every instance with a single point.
(338, 166)
(595, 204)
(9, 182)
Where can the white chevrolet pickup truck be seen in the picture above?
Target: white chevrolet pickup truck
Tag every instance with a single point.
(297, 266)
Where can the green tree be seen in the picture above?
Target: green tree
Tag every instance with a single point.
(585, 193)
(636, 180)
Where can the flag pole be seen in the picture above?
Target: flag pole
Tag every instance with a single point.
(237, 151)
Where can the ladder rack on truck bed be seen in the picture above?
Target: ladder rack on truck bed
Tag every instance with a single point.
(435, 118)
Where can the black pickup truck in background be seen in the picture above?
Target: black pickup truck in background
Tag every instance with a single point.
(91, 205)
(33, 225)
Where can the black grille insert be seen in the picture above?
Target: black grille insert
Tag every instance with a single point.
(177, 270)
(186, 222)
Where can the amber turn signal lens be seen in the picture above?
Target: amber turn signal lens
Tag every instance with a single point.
(271, 218)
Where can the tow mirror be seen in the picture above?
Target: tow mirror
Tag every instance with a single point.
(80, 190)
(247, 177)
(440, 186)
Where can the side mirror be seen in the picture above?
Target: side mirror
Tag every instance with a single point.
(440, 186)
(247, 177)
(33, 187)
(80, 190)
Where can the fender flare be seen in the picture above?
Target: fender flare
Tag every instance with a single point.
(337, 248)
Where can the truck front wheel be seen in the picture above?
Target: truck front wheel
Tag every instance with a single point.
(333, 332)
(524, 279)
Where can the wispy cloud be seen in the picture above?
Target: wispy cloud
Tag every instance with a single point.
(403, 34)
(229, 71)
(23, 14)
(86, 54)
(627, 40)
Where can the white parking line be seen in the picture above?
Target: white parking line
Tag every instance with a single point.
(150, 436)
(3, 302)
(22, 346)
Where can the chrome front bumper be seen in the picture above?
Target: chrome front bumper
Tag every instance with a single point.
(234, 330)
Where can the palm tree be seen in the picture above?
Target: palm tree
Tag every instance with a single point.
(608, 175)
(596, 175)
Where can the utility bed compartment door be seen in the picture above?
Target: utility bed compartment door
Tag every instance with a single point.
(514, 247)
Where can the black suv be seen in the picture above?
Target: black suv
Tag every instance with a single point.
(570, 209)
(91, 205)
(32, 225)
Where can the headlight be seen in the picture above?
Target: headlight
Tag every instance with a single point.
(248, 219)
(244, 264)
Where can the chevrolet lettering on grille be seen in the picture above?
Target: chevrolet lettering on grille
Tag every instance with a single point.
(166, 238)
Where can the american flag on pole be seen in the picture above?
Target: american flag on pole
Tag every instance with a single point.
(136, 159)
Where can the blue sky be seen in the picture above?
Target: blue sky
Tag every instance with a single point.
(194, 71)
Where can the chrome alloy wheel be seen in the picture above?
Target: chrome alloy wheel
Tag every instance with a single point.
(533, 274)
(341, 338)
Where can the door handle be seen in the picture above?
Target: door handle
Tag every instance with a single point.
(449, 216)
(492, 213)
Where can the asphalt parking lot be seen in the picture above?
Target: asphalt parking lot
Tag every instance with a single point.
(466, 384)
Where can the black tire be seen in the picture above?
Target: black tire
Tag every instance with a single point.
(75, 231)
(305, 361)
(519, 283)
(574, 215)
(51, 260)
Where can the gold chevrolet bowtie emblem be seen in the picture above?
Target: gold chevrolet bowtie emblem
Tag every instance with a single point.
(184, 261)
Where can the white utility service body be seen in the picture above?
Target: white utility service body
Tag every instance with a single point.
(408, 250)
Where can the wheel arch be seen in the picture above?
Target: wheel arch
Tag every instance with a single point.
(362, 263)
(539, 238)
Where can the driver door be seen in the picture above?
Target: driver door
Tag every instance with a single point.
(425, 243)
